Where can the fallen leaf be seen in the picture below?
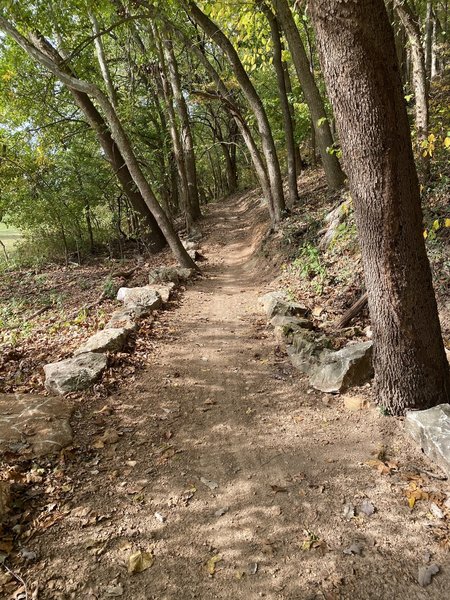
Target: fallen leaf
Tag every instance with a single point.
(436, 511)
(114, 590)
(211, 564)
(140, 561)
(426, 574)
(349, 512)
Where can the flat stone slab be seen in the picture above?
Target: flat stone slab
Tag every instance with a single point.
(36, 423)
(306, 349)
(74, 374)
(165, 291)
(124, 318)
(277, 303)
(349, 366)
(111, 339)
(431, 430)
(145, 297)
(170, 274)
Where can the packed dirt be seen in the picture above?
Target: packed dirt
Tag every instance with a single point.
(232, 477)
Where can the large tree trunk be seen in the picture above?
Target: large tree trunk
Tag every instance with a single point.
(419, 77)
(187, 141)
(268, 144)
(157, 239)
(333, 172)
(118, 134)
(359, 62)
(284, 102)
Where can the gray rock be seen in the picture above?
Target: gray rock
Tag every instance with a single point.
(74, 374)
(175, 275)
(165, 291)
(112, 339)
(277, 303)
(124, 318)
(190, 245)
(285, 327)
(306, 349)
(351, 365)
(146, 297)
(36, 423)
(431, 430)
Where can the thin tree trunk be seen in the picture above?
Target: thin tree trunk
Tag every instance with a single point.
(357, 51)
(118, 134)
(167, 95)
(103, 64)
(284, 102)
(187, 141)
(333, 172)
(428, 39)
(420, 84)
(268, 144)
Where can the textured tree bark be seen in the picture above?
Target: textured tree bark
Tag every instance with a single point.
(420, 84)
(357, 51)
(333, 172)
(284, 102)
(187, 141)
(97, 123)
(268, 144)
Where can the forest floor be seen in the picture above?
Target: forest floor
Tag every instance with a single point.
(226, 471)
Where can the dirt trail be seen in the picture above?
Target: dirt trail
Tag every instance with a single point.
(222, 439)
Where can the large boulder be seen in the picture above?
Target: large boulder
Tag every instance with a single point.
(277, 303)
(431, 430)
(33, 422)
(74, 374)
(349, 366)
(175, 275)
(111, 339)
(145, 297)
(306, 349)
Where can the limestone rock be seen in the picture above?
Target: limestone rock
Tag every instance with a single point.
(146, 297)
(35, 422)
(165, 291)
(190, 245)
(285, 327)
(306, 350)
(277, 303)
(351, 365)
(112, 339)
(74, 374)
(124, 318)
(431, 430)
(175, 275)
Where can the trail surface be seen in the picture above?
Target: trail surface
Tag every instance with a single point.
(230, 472)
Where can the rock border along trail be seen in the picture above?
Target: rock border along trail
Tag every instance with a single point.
(240, 480)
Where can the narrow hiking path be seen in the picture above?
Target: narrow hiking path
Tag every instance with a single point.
(225, 456)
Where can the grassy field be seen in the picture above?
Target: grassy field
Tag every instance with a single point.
(9, 236)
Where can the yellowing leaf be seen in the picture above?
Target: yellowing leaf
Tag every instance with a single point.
(140, 561)
(436, 225)
(432, 137)
(411, 502)
(425, 234)
(447, 142)
(211, 564)
(447, 223)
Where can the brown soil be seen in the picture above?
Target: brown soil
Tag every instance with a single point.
(219, 403)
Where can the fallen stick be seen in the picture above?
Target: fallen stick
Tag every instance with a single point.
(354, 310)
